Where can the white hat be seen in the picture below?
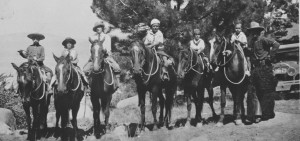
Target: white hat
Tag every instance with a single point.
(155, 21)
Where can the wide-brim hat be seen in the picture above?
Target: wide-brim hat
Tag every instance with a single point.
(68, 40)
(37, 36)
(255, 26)
(98, 24)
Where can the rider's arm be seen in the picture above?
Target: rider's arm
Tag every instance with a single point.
(201, 46)
(243, 40)
(107, 44)
(271, 43)
(42, 54)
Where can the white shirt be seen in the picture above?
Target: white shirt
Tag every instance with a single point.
(73, 54)
(197, 45)
(153, 38)
(241, 37)
(104, 38)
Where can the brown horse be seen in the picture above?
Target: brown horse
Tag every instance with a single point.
(191, 71)
(231, 74)
(33, 94)
(102, 86)
(68, 94)
(146, 72)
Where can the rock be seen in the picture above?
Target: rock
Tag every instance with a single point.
(5, 129)
(11, 83)
(121, 132)
(127, 102)
(85, 109)
(7, 117)
(51, 119)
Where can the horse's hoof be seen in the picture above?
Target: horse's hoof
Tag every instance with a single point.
(219, 124)
(199, 125)
(238, 122)
(155, 127)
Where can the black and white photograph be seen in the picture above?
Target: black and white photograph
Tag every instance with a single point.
(149, 70)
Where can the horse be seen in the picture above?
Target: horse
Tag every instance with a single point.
(32, 89)
(68, 94)
(102, 86)
(146, 73)
(231, 74)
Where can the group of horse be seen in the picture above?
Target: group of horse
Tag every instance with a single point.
(190, 69)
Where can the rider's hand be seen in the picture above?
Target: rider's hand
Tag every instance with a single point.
(227, 52)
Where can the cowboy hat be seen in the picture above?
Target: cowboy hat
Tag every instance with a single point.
(255, 26)
(68, 40)
(98, 24)
(37, 36)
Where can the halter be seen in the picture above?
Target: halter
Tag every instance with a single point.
(38, 87)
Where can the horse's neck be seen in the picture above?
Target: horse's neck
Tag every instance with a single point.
(149, 55)
(196, 61)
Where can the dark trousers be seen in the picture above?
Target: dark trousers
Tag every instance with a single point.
(262, 89)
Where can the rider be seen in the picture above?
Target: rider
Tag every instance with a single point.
(240, 39)
(198, 45)
(69, 44)
(36, 52)
(155, 39)
(104, 39)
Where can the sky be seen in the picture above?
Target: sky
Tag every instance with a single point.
(56, 19)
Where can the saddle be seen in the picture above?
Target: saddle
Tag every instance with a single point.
(164, 74)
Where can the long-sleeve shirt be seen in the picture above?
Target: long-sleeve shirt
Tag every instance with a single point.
(104, 39)
(240, 37)
(154, 38)
(73, 54)
(35, 52)
(197, 45)
(262, 48)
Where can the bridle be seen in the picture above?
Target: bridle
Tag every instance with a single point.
(192, 66)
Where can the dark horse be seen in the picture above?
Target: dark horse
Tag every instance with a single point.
(191, 70)
(146, 72)
(68, 94)
(102, 86)
(32, 88)
(231, 74)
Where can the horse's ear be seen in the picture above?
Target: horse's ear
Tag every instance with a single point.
(15, 66)
(55, 58)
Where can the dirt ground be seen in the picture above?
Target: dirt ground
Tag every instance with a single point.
(285, 126)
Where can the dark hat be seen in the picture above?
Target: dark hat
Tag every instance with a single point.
(98, 24)
(255, 26)
(68, 40)
(37, 36)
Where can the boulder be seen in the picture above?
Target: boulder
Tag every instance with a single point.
(7, 117)
(127, 102)
(11, 83)
(5, 129)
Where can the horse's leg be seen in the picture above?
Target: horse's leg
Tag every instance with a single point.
(64, 123)
(162, 106)
(211, 99)
(156, 90)
(58, 114)
(75, 109)
(223, 103)
(239, 97)
(199, 97)
(188, 93)
(141, 94)
(96, 114)
(35, 124)
(26, 107)
(43, 116)
(105, 102)
(170, 91)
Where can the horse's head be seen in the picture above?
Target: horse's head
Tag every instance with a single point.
(184, 36)
(219, 46)
(63, 70)
(138, 57)
(98, 54)
(184, 62)
(26, 78)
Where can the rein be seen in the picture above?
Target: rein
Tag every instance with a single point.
(192, 66)
(38, 87)
(226, 62)
(111, 73)
(151, 74)
(71, 80)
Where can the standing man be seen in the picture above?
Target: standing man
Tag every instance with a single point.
(36, 52)
(263, 52)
